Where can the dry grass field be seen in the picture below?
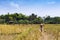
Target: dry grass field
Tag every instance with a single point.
(29, 32)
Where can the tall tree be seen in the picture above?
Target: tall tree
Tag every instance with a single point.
(32, 17)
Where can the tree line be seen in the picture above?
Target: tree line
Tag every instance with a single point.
(19, 18)
(52, 20)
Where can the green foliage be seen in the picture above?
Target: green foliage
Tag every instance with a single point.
(32, 17)
(2, 21)
(19, 18)
(23, 21)
(37, 20)
(52, 20)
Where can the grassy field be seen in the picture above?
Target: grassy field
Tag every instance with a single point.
(27, 31)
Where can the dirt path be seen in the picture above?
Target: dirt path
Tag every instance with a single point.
(46, 36)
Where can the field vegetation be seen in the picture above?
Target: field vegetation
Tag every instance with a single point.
(20, 32)
(27, 32)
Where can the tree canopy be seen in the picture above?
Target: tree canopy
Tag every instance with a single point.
(19, 18)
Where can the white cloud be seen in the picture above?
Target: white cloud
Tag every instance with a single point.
(53, 2)
(15, 5)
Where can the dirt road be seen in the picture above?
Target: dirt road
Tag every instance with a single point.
(46, 36)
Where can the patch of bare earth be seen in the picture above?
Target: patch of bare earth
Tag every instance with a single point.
(46, 36)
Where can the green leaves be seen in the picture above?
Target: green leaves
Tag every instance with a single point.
(20, 18)
(52, 20)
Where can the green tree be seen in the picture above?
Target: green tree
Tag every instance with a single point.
(56, 20)
(37, 20)
(32, 17)
(6, 17)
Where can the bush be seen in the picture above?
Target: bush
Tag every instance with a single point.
(23, 21)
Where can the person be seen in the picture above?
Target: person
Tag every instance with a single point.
(41, 27)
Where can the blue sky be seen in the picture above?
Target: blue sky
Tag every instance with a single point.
(27, 7)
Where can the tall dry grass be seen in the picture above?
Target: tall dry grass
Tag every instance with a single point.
(20, 32)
